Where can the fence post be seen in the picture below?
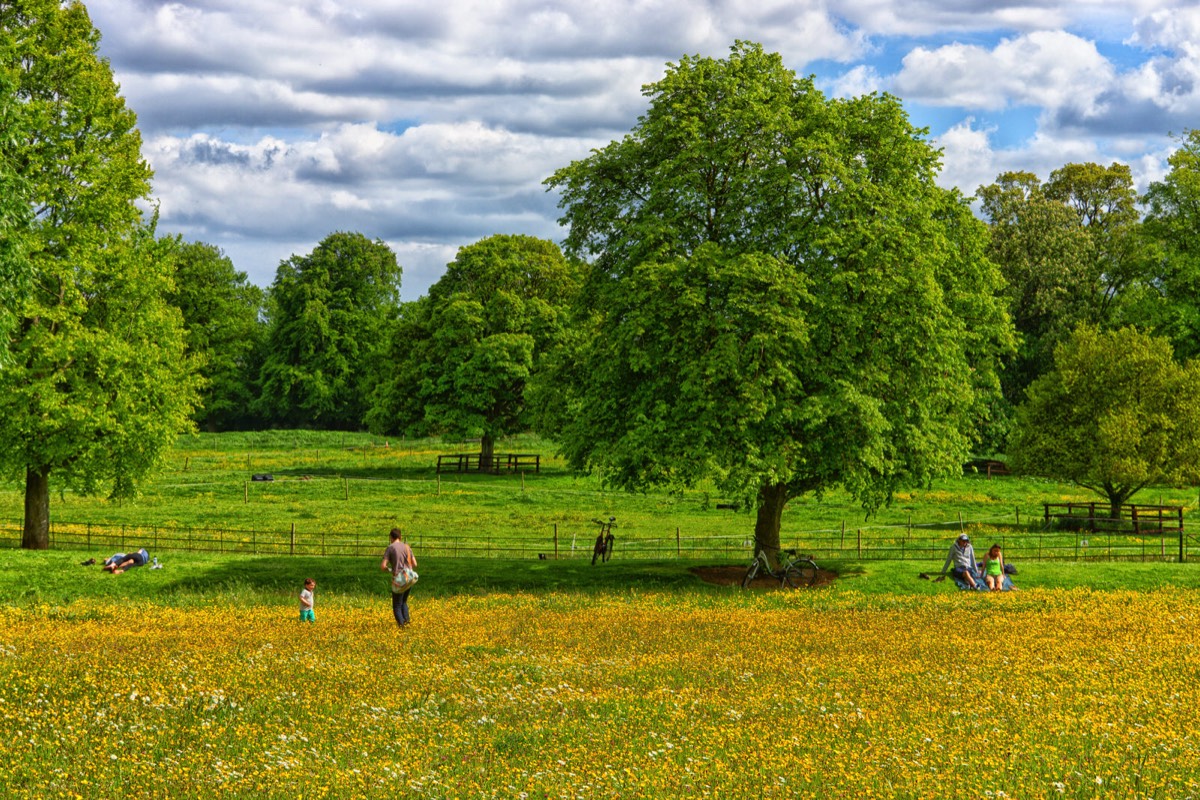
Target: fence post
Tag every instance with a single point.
(245, 491)
(842, 545)
(1181, 552)
(859, 536)
(1018, 515)
(556, 541)
(345, 488)
(678, 551)
(293, 546)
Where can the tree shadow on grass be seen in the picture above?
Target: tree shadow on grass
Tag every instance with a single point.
(360, 576)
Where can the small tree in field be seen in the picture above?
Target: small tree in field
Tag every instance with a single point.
(1115, 414)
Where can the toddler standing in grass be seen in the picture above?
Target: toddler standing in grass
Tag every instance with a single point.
(306, 601)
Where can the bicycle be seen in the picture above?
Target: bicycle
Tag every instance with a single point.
(604, 541)
(797, 572)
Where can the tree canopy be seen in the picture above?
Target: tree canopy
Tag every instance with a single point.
(1070, 250)
(221, 317)
(841, 320)
(1115, 414)
(97, 382)
(327, 314)
(1173, 222)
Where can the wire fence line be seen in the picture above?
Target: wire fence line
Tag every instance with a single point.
(927, 541)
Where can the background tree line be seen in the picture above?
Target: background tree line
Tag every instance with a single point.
(759, 286)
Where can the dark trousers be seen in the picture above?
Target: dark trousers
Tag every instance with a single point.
(400, 607)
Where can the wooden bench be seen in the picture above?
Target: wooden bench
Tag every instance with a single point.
(500, 462)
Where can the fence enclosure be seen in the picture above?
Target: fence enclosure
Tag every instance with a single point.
(1156, 538)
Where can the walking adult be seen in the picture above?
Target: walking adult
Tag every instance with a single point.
(962, 556)
(397, 556)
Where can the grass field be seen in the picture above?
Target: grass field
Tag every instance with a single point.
(554, 678)
(337, 492)
(557, 679)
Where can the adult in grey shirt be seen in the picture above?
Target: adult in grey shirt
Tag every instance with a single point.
(962, 556)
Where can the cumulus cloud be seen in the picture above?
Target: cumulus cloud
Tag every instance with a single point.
(1045, 68)
(272, 123)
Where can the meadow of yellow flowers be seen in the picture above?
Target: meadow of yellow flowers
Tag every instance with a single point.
(1035, 694)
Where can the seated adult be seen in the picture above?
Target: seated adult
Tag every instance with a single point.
(962, 556)
(123, 561)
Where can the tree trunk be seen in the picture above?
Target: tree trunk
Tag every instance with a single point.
(36, 534)
(771, 500)
(487, 449)
(1117, 497)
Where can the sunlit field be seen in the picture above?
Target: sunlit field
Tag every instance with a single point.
(1042, 693)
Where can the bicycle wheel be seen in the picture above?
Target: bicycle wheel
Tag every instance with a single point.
(800, 574)
(608, 548)
(751, 574)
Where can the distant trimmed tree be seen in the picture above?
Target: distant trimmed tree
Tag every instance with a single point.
(1115, 414)
(97, 383)
(471, 347)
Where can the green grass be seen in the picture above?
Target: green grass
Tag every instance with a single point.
(352, 488)
(56, 578)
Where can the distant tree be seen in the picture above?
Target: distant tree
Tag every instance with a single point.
(1173, 222)
(97, 383)
(222, 318)
(1115, 414)
(327, 314)
(1070, 250)
(780, 297)
(480, 335)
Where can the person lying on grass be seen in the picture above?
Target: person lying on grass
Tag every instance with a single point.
(123, 561)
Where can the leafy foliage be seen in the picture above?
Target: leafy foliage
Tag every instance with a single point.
(1173, 221)
(875, 330)
(328, 311)
(473, 344)
(221, 316)
(1115, 414)
(1070, 249)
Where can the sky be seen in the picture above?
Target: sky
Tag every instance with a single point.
(431, 125)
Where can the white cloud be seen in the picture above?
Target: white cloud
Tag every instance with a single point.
(858, 81)
(272, 123)
(1046, 68)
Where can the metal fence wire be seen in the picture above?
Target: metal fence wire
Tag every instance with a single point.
(1036, 541)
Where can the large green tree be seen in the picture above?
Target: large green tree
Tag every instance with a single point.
(327, 314)
(1115, 414)
(97, 382)
(779, 296)
(473, 344)
(222, 317)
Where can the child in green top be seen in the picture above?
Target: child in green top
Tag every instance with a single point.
(993, 568)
